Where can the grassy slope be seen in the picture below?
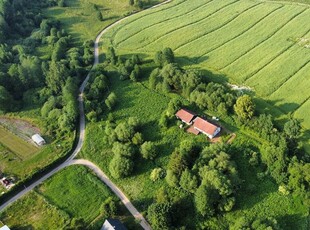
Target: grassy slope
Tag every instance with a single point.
(74, 192)
(247, 42)
(136, 100)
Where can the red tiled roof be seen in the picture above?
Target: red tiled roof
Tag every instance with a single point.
(204, 126)
(192, 130)
(185, 115)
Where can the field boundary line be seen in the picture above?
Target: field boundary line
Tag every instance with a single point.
(164, 21)
(238, 35)
(262, 41)
(189, 24)
(292, 75)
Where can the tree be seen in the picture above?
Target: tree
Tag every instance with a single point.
(157, 174)
(6, 100)
(159, 216)
(111, 100)
(203, 201)
(111, 56)
(148, 150)
(131, 2)
(244, 107)
(124, 132)
(121, 149)
(137, 139)
(292, 128)
(99, 16)
(188, 181)
(120, 166)
(61, 3)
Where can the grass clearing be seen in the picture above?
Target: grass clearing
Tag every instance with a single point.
(21, 148)
(74, 192)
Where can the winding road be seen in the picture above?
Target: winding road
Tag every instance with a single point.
(71, 161)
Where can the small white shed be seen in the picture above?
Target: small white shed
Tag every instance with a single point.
(5, 227)
(38, 139)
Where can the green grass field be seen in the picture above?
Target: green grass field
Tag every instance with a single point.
(21, 148)
(253, 43)
(72, 193)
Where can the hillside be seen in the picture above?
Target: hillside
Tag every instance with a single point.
(260, 44)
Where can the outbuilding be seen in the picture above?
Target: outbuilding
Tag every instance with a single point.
(206, 127)
(38, 139)
(185, 116)
(113, 224)
(5, 227)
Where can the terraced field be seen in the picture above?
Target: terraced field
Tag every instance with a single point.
(255, 43)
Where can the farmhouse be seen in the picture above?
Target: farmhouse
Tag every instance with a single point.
(113, 224)
(38, 139)
(185, 116)
(206, 127)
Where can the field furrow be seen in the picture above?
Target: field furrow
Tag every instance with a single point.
(266, 52)
(210, 16)
(227, 53)
(190, 13)
(210, 41)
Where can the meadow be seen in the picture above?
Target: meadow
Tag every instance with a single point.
(72, 193)
(252, 43)
(21, 148)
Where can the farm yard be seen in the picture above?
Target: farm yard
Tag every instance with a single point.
(260, 44)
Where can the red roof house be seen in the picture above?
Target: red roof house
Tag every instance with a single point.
(186, 116)
(206, 127)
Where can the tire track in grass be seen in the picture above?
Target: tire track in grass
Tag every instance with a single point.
(163, 21)
(220, 27)
(145, 15)
(192, 23)
(255, 45)
(251, 75)
(292, 75)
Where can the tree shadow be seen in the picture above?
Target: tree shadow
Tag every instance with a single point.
(295, 221)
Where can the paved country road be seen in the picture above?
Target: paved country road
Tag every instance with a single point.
(71, 161)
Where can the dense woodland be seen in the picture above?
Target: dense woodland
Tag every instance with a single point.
(25, 78)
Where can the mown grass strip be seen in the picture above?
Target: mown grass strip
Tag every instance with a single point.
(207, 19)
(267, 51)
(281, 69)
(149, 24)
(171, 6)
(294, 91)
(256, 35)
(216, 39)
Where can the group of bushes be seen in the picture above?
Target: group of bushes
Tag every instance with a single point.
(126, 140)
